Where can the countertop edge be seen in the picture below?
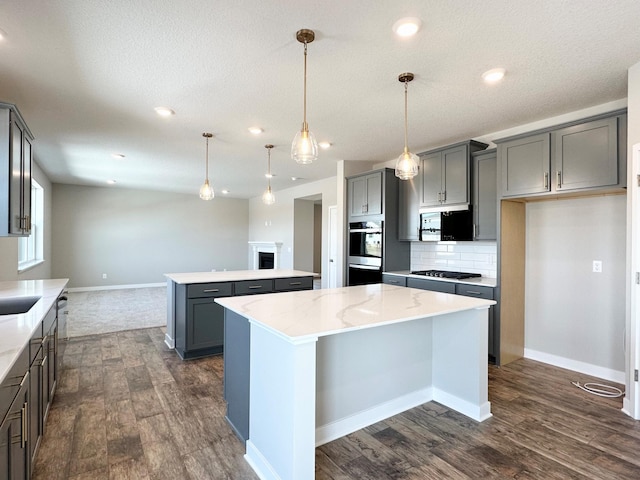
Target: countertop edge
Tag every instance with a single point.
(235, 275)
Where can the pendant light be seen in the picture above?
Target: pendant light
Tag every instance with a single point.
(268, 198)
(206, 190)
(407, 163)
(304, 148)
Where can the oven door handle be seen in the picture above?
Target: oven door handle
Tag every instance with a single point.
(365, 230)
(364, 267)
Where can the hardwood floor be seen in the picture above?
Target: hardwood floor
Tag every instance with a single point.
(128, 408)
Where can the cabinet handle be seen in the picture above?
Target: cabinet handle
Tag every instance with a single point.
(295, 283)
(394, 281)
(212, 290)
(444, 196)
(253, 287)
(559, 178)
(473, 292)
(546, 179)
(475, 230)
(25, 407)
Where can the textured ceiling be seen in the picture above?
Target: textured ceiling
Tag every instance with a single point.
(86, 75)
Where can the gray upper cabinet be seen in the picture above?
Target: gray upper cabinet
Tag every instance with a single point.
(15, 173)
(579, 156)
(408, 213)
(365, 195)
(586, 155)
(485, 197)
(525, 165)
(445, 175)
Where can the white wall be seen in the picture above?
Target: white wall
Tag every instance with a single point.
(275, 223)
(136, 236)
(9, 245)
(572, 314)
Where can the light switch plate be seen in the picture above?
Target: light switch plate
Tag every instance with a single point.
(597, 266)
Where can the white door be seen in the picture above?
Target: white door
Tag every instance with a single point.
(333, 247)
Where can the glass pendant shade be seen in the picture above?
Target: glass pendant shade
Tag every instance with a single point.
(268, 198)
(206, 191)
(304, 148)
(407, 165)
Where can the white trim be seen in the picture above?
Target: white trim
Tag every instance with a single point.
(576, 365)
(344, 426)
(115, 287)
(169, 342)
(479, 413)
(259, 463)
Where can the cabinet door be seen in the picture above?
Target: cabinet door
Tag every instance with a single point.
(26, 185)
(14, 448)
(525, 165)
(374, 194)
(431, 172)
(205, 323)
(397, 280)
(455, 176)
(409, 215)
(36, 411)
(586, 155)
(485, 208)
(357, 196)
(15, 187)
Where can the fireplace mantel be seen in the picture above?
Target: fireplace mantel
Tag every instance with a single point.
(267, 247)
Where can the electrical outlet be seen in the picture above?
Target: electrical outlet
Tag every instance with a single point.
(104, 276)
(597, 266)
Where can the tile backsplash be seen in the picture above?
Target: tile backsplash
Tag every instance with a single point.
(474, 257)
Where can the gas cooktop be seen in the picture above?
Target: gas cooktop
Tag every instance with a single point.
(445, 274)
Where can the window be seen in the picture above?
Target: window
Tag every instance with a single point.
(30, 249)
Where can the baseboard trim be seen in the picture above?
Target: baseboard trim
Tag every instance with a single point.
(115, 287)
(576, 366)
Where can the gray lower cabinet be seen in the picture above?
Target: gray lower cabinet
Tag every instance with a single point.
(293, 284)
(485, 196)
(432, 285)
(14, 447)
(252, 287)
(399, 280)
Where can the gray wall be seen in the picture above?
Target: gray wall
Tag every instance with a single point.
(571, 312)
(135, 236)
(9, 245)
(317, 238)
(303, 223)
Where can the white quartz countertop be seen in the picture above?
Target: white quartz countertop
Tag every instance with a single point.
(16, 330)
(484, 281)
(297, 316)
(236, 275)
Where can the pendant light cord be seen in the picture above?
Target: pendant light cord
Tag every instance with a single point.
(406, 137)
(269, 168)
(206, 168)
(304, 115)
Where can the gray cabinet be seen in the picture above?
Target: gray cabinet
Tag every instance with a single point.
(15, 173)
(485, 196)
(409, 210)
(488, 293)
(252, 287)
(399, 280)
(432, 285)
(365, 195)
(199, 320)
(445, 174)
(293, 284)
(237, 332)
(14, 447)
(579, 156)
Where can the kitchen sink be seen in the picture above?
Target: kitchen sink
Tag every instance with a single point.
(16, 305)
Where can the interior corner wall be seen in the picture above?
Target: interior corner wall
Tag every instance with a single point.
(317, 238)
(136, 236)
(303, 221)
(572, 313)
(9, 245)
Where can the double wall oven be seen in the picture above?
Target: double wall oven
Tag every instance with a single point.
(365, 252)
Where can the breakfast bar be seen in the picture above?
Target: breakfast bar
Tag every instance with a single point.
(325, 363)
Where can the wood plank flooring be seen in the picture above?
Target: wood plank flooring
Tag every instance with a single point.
(128, 408)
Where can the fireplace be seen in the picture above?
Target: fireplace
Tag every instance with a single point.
(259, 261)
(266, 260)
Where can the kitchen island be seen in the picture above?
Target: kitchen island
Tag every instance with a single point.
(195, 322)
(325, 363)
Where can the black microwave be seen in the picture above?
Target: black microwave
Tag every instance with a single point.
(453, 226)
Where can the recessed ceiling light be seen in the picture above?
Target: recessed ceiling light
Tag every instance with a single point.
(164, 111)
(324, 145)
(255, 130)
(111, 182)
(225, 191)
(297, 178)
(269, 175)
(494, 75)
(117, 155)
(408, 26)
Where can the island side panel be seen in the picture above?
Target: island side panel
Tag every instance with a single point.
(282, 406)
(367, 375)
(237, 337)
(460, 368)
(170, 334)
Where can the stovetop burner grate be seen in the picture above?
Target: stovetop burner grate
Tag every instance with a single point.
(446, 274)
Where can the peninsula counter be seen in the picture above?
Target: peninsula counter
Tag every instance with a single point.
(325, 363)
